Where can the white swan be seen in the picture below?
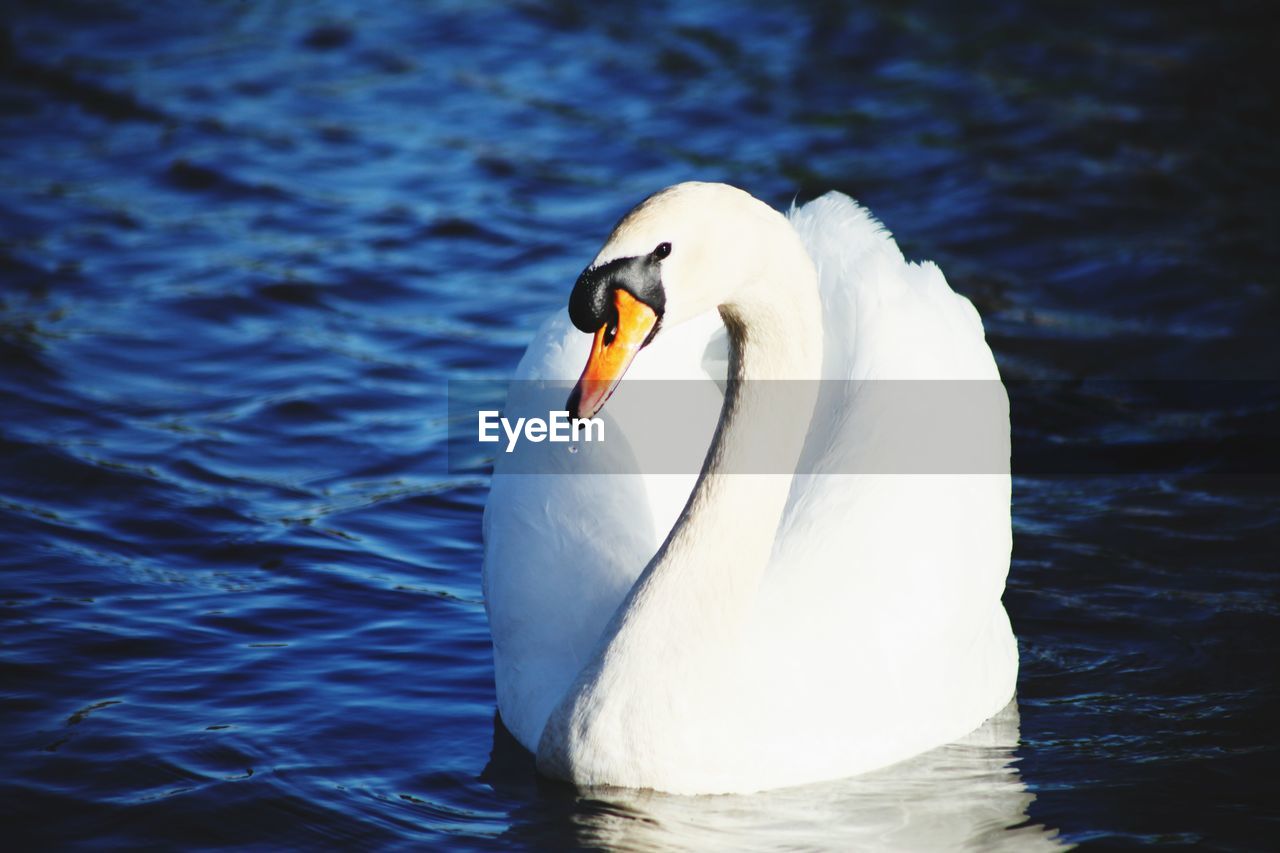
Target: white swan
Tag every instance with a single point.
(746, 631)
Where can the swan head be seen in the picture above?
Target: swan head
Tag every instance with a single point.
(681, 252)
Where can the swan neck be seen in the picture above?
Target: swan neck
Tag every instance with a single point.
(715, 554)
(732, 514)
(676, 639)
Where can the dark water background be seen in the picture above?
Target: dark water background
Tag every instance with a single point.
(244, 245)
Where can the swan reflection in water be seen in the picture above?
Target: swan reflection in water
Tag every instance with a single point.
(965, 795)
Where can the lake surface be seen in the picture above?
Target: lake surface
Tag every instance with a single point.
(244, 246)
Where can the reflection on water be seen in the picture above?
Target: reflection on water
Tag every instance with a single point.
(965, 795)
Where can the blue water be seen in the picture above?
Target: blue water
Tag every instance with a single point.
(243, 247)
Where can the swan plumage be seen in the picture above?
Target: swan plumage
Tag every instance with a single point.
(873, 629)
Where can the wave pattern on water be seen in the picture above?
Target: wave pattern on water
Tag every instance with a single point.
(244, 246)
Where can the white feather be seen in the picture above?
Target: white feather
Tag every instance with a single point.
(875, 630)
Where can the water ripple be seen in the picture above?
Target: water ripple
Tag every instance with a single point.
(244, 247)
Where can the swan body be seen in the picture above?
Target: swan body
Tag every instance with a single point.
(733, 631)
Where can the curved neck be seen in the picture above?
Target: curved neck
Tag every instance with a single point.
(711, 562)
(675, 638)
(703, 577)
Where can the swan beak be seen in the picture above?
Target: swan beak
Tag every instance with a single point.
(614, 348)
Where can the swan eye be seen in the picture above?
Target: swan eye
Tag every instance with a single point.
(662, 251)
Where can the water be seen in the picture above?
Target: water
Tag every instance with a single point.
(243, 247)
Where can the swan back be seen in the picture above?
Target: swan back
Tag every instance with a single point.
(892, 554)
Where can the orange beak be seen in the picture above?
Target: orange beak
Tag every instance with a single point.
(614, 348)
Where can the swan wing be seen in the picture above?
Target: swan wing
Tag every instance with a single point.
(881, 607)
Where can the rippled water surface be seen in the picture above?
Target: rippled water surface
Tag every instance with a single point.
(243, 246)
